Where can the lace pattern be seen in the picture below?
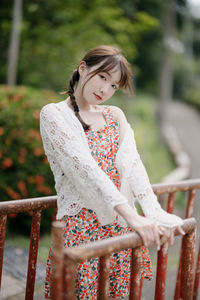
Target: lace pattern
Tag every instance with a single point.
(80, 182)
(135, 179)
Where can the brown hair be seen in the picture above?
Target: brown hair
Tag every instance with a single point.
(110, 57)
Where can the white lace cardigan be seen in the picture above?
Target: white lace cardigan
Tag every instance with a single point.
(80, 182)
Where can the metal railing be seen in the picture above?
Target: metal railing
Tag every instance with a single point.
(36, 205)
(65, 260)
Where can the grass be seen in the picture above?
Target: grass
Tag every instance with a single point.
(19, 241)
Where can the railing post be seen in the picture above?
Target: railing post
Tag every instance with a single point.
(69, 279)
(33, 252)
(103, 280)
(161, 272)
(197, 277)
(135, 283)
(57, 247)
(3, 221)
(188, 214)
(187, 266)
(162, 256)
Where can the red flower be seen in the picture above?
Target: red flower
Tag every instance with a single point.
(36, 114)
(39, 179)
(7, 163)
(1, 131)
(14, 195)
(38, 151)
(22, 155)
(22, 188)
(34, 134)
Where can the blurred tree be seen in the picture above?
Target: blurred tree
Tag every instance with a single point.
(56, 34)
(166, 69)
(149, 43)
(14, 42)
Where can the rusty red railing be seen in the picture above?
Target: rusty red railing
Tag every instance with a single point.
(65, 261)
(36, 205)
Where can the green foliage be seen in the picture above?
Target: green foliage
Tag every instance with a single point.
(56, 34)
(186, 80)
(192, 96)
(24, 169)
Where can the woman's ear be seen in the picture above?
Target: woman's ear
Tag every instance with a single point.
(82, 67)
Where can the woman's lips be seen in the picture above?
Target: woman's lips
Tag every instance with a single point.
(98, 97)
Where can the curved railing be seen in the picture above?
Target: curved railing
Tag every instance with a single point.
(36, 205)
(65, 260)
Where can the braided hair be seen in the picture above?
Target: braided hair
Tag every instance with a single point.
(73, 80)
(108, 58)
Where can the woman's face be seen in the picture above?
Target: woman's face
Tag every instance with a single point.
(100, 87)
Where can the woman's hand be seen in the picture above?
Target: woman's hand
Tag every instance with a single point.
(168, 234)
(145, 227)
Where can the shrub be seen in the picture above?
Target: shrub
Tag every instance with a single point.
(24, 171)
(192, 96)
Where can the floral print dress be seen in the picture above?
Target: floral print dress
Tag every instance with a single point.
(85, 227)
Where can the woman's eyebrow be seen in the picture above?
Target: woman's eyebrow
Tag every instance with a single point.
(116, 82)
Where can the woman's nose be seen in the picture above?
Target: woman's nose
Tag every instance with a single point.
(104, 88)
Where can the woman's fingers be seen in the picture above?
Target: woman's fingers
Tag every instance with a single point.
(168, 234)
(150, 235)
(180, 230)
(156, 230)
(171, 240)
(158, 234)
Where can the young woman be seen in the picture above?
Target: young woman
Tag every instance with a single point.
(99, 174)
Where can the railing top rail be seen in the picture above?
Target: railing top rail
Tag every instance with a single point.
(114, 244)
(17, 206)
(179, 186)
(22, 205)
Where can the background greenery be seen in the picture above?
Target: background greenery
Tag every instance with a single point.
(24, 169)
(25, 172)
(54, 37)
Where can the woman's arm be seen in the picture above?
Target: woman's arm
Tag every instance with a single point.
(62, 142)
(146, 228)
(145, 195)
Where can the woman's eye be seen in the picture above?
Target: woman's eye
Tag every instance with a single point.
(114, 86)
(102, 77)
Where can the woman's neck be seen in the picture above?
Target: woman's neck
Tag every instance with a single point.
(81, 102)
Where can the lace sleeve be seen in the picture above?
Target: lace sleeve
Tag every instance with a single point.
(143, 192)
(76, 161)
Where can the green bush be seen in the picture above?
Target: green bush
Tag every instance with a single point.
(192, 96)
(24, 169)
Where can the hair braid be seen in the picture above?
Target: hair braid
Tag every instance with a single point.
(73, 80)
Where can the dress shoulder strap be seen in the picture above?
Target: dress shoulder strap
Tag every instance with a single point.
(108, 115)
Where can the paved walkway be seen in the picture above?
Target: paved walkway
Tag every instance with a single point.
(186, 122)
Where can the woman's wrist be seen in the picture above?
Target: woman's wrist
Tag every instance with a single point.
(127, 212)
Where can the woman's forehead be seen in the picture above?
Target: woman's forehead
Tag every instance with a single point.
(115, 74)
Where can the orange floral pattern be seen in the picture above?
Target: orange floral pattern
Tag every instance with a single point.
(85, 227)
